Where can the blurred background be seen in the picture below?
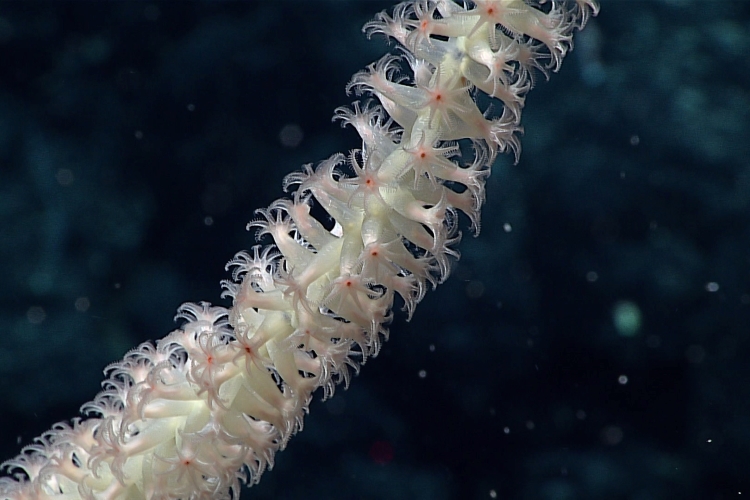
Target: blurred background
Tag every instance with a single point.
(592, 343)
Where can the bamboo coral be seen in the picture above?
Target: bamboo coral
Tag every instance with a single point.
(209, 405)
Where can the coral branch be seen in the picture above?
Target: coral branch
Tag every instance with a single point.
(211, 403)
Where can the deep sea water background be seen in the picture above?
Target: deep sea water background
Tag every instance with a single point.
(591, 343)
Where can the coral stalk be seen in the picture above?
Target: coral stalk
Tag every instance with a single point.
(208, 406)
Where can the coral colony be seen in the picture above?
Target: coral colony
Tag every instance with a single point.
(208, 406)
